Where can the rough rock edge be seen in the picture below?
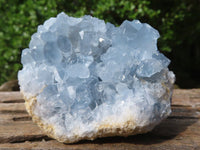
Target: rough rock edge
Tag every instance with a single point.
(105, 129)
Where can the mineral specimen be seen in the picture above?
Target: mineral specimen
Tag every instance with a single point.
(83, 78)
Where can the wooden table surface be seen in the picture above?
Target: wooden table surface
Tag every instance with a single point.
(181, 130)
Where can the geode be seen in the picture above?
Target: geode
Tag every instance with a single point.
(83, 78)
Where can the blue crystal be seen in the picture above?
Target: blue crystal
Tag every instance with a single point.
(86, 70)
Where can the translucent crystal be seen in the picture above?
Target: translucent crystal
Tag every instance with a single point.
(83, 79)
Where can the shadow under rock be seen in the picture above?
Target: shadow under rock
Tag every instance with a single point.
(168, 129)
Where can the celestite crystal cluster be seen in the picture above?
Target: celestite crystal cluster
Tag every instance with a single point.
(83, 78)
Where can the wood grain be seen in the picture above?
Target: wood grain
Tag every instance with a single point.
(181, 130)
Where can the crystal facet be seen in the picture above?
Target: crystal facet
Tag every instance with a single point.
(83, 78)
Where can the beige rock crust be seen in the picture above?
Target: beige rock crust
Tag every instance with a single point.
(105, 129)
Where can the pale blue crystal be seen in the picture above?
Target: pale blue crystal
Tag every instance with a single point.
(82, 71)
(64, 44)
(52, 53)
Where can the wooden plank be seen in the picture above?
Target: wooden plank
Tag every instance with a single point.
(186, 97)
(11, 97)
(14, 108)
(103, 146)
(181, 130)
(8, 118)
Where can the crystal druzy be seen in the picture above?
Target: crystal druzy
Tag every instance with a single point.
(83, 78)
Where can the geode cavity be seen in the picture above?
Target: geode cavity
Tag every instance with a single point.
(83, 78)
